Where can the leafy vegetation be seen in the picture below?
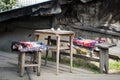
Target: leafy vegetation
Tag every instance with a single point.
(86, 64)
(114, 65)
(6, 5)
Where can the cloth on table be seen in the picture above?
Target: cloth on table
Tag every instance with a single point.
(23, 46)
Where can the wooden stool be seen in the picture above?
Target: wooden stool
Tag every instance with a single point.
(36, 62)
(104, 55)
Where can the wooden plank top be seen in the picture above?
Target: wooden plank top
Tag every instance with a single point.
(54, 32)
(105, 45)
(115, 51)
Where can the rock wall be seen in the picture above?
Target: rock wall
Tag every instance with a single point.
(91, 19)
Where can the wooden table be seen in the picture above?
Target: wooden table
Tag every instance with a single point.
(104, 48)
(58, 34)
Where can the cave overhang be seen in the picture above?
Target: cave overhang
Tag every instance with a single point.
(49, 7)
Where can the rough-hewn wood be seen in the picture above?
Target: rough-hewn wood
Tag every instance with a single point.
(105, 45)
(80, 56)
(58, 34)
(104, 56)
(22, 64)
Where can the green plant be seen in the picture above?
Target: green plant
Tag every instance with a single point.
(83, 63)
(114, 65)
(6, 5)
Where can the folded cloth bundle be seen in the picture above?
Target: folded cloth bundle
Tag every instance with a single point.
(28, 46)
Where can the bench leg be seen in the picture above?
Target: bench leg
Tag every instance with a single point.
(101, 61)
(106, 61)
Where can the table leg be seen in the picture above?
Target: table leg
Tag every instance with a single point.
(58, 51)
(71, 54)
(22, 64)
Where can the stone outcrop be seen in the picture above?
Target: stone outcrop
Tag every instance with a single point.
(91, 13)
(92, 19)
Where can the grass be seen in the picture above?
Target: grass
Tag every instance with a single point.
(114, 65)
(78, 63)
(82, 63)
(4, 50)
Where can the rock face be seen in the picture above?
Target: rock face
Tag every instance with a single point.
(91, 13)
(85, 1)
(91, 19)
